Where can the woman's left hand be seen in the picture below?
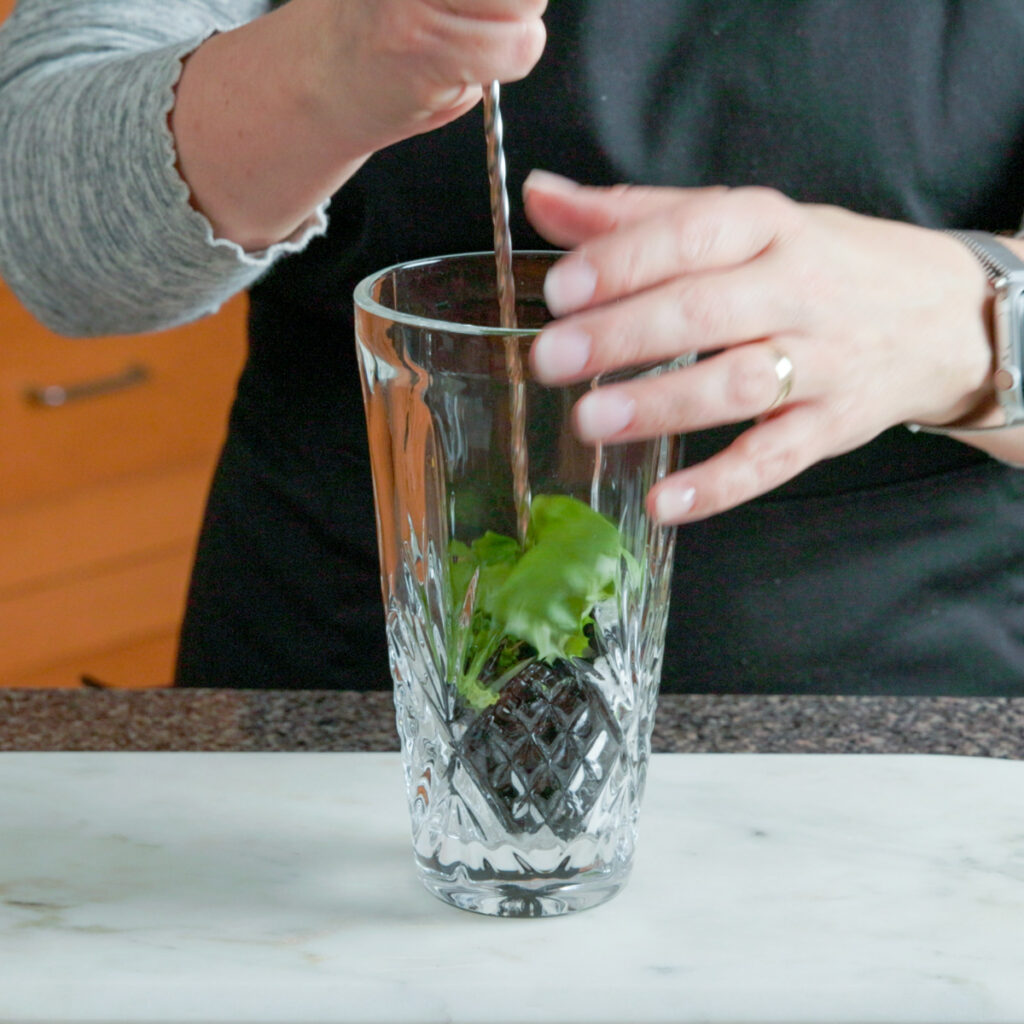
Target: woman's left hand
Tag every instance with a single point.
(880, 322)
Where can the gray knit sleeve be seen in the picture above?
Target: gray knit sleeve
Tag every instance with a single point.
(97, 235)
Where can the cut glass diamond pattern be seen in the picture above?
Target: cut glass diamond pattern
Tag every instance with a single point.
(542, 754)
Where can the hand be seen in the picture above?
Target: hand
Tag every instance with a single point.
(387, 69)
(882, 322)
(305, 94)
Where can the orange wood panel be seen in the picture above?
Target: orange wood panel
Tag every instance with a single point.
(48, 543)
(144, 664)
(100, 501)
(178, 413)
(118, 608)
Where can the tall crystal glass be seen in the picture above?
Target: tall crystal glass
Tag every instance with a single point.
(525, 589)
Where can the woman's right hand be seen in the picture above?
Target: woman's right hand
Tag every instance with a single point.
(387, 69)
(273, 117)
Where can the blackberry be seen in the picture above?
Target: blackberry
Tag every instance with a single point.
(542, 753)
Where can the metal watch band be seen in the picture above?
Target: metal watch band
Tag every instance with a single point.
(1006, 272)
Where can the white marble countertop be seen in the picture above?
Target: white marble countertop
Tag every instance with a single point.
(279, 887)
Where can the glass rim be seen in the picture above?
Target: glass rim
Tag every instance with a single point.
(362, 295)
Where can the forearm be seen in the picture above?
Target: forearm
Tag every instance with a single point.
(250, 137)
(97, 234)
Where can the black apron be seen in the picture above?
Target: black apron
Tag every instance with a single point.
(898, 568)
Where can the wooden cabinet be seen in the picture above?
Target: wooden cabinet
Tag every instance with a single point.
(101, 496)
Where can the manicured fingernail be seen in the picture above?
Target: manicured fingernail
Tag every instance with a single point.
(673, 504)
(569, 285)
(560, 353)
(602, 414)
(545, 181)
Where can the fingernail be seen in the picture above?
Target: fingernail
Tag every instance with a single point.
(674, 503)
(560, 353)
(569, 285)
(602, 414)
(546, 181)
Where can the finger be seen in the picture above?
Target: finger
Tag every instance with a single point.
(738, 384)
(704, 231)
(567, 214)
(444, 46)
(762, 458)
(399, 68)
(479, 49)
(695, 313)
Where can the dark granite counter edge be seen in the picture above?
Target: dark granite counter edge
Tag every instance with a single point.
(224, 720)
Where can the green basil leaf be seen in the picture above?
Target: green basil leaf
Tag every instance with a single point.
(571, 563)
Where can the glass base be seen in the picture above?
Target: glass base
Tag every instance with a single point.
(501, 894)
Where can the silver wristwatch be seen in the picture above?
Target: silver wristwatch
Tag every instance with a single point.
(1006, 272)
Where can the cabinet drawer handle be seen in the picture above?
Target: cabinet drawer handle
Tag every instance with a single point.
(52, 396)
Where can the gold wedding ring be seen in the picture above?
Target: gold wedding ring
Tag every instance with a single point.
(784, 373)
